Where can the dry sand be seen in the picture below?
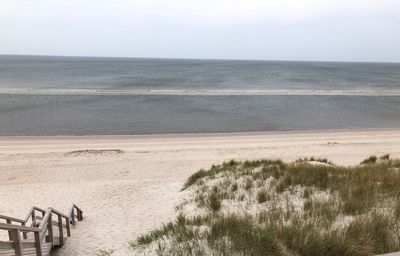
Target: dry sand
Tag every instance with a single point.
(126, 194)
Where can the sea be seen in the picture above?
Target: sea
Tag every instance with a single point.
(50, 95)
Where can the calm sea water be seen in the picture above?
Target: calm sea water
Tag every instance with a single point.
(148, 114)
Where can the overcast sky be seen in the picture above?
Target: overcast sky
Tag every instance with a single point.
(340, 30)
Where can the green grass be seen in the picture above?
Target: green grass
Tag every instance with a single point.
(239, 235)
(248, 184)
(262, 196)
(214, 170)
(369, 160)
(234, 187)
(275, 208)
(314, 159)
(214, 201)
(307, 193)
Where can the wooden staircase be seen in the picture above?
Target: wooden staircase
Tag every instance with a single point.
(40, 231)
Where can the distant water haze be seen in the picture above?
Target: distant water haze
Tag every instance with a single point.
(184, 74)
(36, 98)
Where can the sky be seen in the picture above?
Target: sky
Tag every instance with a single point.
(318, 30)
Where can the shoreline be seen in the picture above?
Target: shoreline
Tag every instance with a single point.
(204, 134)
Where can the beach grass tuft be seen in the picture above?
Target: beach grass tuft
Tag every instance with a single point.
(369, 160)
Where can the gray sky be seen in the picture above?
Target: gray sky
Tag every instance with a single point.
(343, 30)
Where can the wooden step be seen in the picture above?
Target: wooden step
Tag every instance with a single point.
(46, 248)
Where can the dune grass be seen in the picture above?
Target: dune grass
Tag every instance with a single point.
(269, 207)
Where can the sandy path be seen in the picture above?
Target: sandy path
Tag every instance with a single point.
(129, 193)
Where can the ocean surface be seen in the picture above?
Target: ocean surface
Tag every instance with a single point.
(36, 98)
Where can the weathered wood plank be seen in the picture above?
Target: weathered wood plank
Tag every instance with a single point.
(73, 216)
(14, 227)
(24, 234)
(60, 230)
(59, 213)
(50, 229)
(16, 238)
(38, 244)
(9, 231)
(12, 219)
(29, 252)
(68, 226)
(6, 245)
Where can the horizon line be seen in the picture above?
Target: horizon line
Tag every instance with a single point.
(196, 58)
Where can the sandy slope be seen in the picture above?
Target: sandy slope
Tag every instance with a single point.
(125, 194)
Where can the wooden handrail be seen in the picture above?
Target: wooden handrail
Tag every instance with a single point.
(59, 213)
(31, 212)
(45, 229)
(18, 227)
(76, 207)
(11, 219)
(24, 221)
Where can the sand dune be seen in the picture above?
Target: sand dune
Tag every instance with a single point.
(127, 185)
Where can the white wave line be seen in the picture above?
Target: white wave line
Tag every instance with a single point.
(294, 92)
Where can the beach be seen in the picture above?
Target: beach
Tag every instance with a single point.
(127, 185)
(199, 128)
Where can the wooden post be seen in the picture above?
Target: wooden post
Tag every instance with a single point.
(50, 229)
(16, 236)
(33, 218)
(73, 216)
(79, 215)
(60, 230)
(24, 234)
(10, 237)
(68, 227)
(38, 244)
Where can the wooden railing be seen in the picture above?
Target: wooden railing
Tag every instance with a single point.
(47, 232)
